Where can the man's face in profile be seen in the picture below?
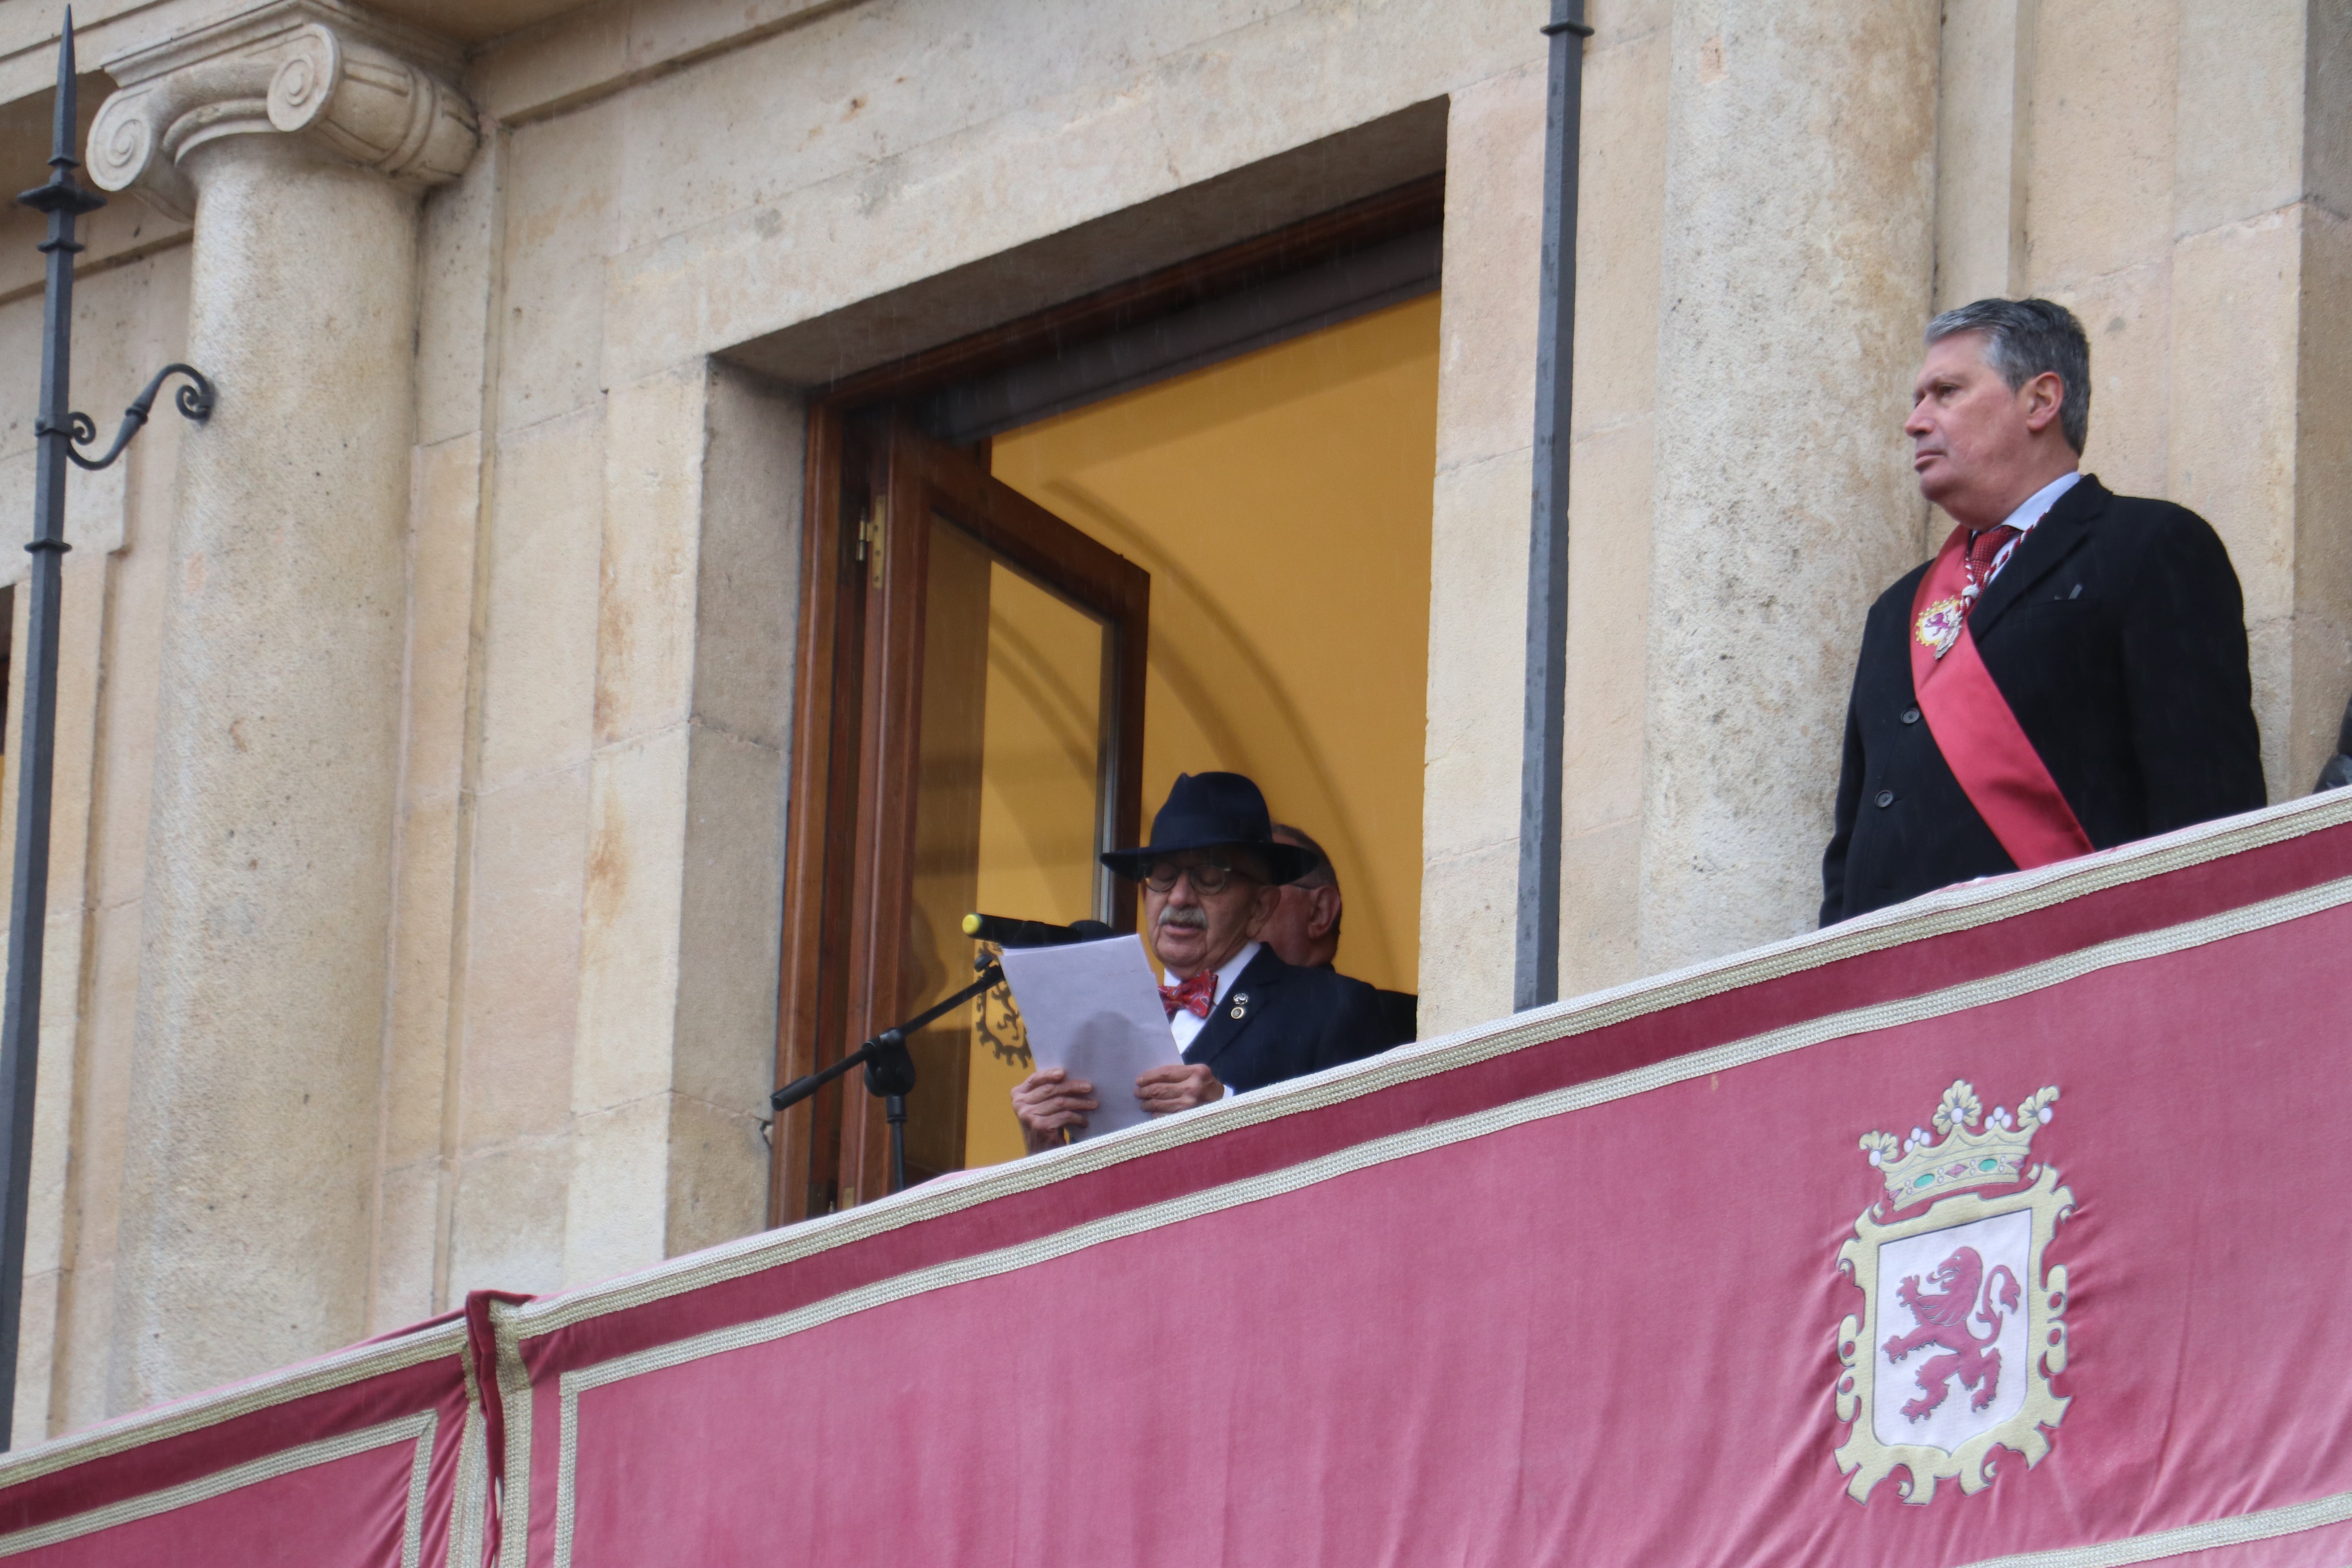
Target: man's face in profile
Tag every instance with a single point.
(1968, 430)
(1191, 929)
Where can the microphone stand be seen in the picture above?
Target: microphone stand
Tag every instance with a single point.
(889, 1068)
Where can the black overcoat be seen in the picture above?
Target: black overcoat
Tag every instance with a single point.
(1291, 1022)
(2117, 633)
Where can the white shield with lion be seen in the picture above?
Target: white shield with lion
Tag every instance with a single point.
(1961, 1332)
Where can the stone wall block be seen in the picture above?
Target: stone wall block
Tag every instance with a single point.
(101, 1080)
(629, 931)
(1621, 180)
(2105, 75)
(1798, 259)
(2231, 455)
(724, 248)
(1608, 603)
(2128, 316)
(1470, 820)
(2240, 112)
(747, 597)
(558, 193)
(647, 600)
(732, 920)
(445, 510)
(539, 658)
(1983, 147)
(408, 1238)
(506, 1225)
(618, 1212)
(1478, 646)
(523, 963)
(2323, 502)
(457, 258)
(416, 1035)
(1468, 909)
(2233, 434)
(1600, 883)
(717, 1186)
(1494, 241)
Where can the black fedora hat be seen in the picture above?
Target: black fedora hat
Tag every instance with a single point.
(1212, 811)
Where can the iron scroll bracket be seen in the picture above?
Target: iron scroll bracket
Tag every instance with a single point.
(193, 400)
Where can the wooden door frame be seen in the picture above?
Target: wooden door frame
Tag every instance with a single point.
(856, 756)
(848, 457)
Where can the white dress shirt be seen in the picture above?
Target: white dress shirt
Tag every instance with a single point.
(2036, 507)
(1184, 1026)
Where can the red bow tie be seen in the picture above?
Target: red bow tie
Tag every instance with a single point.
(1195, 995)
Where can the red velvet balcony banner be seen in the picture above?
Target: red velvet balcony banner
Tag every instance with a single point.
(372, 1458)
(2005, 1228)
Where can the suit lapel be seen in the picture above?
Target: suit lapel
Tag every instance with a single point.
(1252, 988)
(2059, 534)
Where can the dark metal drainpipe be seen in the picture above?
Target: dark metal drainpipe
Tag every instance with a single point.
(1537, 977)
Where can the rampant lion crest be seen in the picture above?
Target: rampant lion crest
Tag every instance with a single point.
(1955, 1246)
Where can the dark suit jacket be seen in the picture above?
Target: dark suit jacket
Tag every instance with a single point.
(1292, 1021)
(2117, 635)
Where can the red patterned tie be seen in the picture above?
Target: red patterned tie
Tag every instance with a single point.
(1982, 548)
(1195, 995)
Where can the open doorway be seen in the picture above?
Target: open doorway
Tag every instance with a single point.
(1280, 502)
(1038, 589)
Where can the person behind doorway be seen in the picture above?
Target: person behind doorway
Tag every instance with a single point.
(1304, 931)
(1242, 1017)
(2068, 673)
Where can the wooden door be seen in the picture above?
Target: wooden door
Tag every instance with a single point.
(971, 729)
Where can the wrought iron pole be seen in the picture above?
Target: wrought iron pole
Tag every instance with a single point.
(65, 200)
(1535, 980)
(56, 432)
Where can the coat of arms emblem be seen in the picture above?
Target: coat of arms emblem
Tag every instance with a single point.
(1960, 1330)
(1939, 624)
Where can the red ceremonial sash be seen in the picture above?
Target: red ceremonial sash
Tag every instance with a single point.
(1998, 767)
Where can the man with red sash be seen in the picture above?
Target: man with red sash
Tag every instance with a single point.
(2068, 673)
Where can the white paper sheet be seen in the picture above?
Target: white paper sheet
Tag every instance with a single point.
(1093, 1009)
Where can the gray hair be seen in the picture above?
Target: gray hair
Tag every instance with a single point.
(2026, 338)
(1318, 874)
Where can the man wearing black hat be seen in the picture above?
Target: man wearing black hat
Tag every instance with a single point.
(1241, 1017)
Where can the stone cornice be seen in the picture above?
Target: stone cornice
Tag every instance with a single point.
(353, 86)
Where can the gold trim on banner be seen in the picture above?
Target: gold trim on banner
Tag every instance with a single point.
(128, 1431)
(471, 1502)
(1396, 1146)
(417, 1428)
(471, 1499)
(516, 1410)
(1951, 911)
(2240, 1529)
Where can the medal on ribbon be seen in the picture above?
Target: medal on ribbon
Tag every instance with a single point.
(1939, 627)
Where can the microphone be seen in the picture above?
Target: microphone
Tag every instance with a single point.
(1005, 932)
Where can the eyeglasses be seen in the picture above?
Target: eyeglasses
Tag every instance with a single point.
(1208, 878)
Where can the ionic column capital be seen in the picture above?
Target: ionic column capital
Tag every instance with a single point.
(351, 86)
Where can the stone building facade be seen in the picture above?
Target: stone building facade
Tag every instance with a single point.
(427, 717)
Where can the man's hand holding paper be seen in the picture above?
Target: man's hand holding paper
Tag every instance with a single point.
(1231, 1016)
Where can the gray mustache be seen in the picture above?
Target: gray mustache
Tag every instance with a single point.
(1189, 919)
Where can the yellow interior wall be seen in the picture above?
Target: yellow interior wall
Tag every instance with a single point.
(1281, 502)
(1037, 783)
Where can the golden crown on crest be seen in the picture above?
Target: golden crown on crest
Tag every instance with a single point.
(1921, 1166)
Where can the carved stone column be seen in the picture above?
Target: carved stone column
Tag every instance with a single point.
(299, 135)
